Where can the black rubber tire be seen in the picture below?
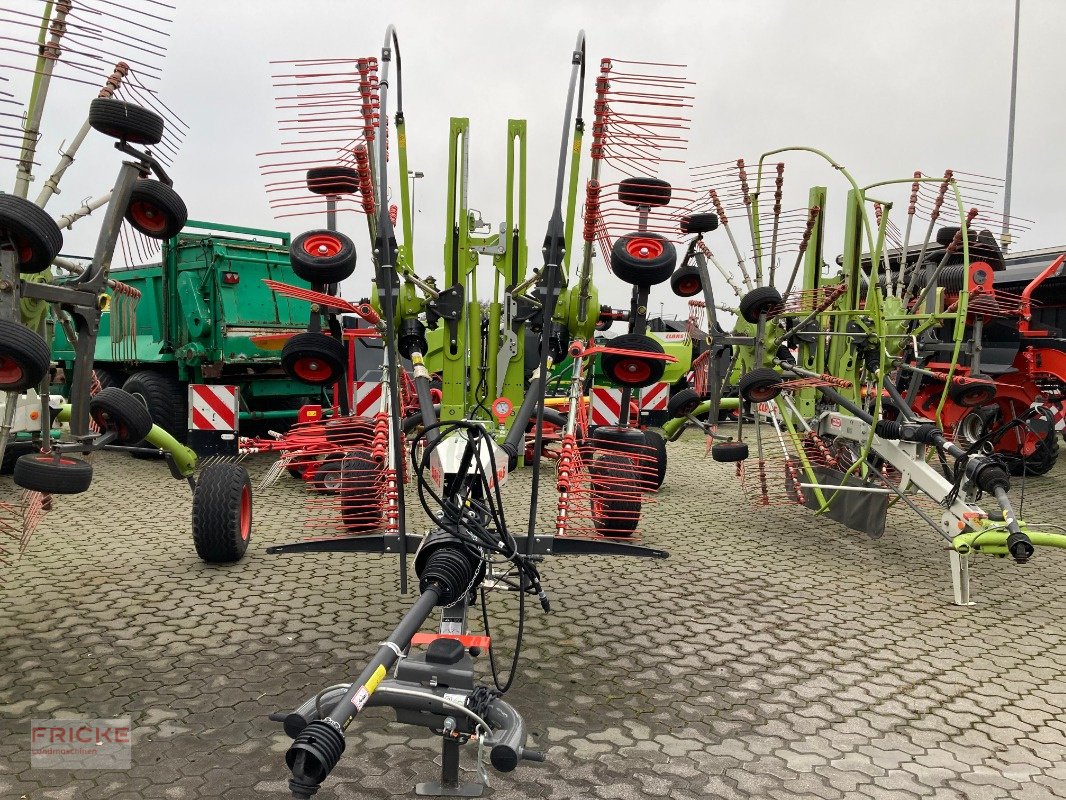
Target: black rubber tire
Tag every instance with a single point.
(125, 121)
(322, 257)
(327, 479)
(946, 234)
(166, 399)
(1040, 462)
(657, 443)
(345, 430)
(359, 506)
(618, 439)
(13, 452)
(112, 409)
(760, 385)
(643, 259)
(699, 223)
(972, 394)
(333, 180)
(24, 357)
(760, 300)
(629, 370)
(41, 473)
(686, 281)
(617, 516)
(36, 236)
(107, 378)
(986, 248)
(683, 403)
(156, 210)
(314, 358)
(729, 452)
(222, 513)
(644, 192)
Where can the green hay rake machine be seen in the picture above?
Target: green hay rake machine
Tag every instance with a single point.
(39, 289)
(824, 376)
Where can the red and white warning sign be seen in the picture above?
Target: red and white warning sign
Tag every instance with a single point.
(655, 397)
(605, 405)
(368, 396)
(212, 408)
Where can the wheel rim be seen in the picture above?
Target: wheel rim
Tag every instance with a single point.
(312, 369)
(11, 371)
(970, 428)
(762, 392)
(245, 520)
(107, 422)
(632, 370)
(322, 245)
(148, 216)
(644, 248)
(688, 286)
(45, 458)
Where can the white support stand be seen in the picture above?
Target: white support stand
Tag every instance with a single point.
(960, 578)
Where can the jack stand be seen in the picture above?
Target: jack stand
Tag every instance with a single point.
(449, 785)
(960, 578)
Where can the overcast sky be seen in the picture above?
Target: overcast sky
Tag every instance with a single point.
(885, 87)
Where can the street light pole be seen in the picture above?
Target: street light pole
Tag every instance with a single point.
(1005, 237)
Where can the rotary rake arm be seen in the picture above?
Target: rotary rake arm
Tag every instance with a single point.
(836, 363)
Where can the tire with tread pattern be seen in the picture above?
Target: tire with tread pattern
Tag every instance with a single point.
(125, 121)
(643, 259)
(686, 281)
(165, 398)
(332, 180)
(972, 393)
(657, 443)
(112, 409)
(107, 378)
(699, 223)
(314, 358)
(729, 452)
(222, 513)
(633, 371)
(15, 451)
(156, 210)
(360, 511)
(37, 238)
(760, 300)
(683, 403)
(615, 497)
(44, 473)
(322, 257)
(24, 357)
(760, 385)
(644, 192)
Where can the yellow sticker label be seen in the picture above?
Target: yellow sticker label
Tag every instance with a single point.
(402, 139)
(375, 679)
(416, 359)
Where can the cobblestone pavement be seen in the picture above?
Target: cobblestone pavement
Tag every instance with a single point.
(774, 655)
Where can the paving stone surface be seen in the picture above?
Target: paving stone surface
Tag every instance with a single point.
(774, 655)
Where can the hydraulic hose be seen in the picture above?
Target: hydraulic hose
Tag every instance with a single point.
(515, 441)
